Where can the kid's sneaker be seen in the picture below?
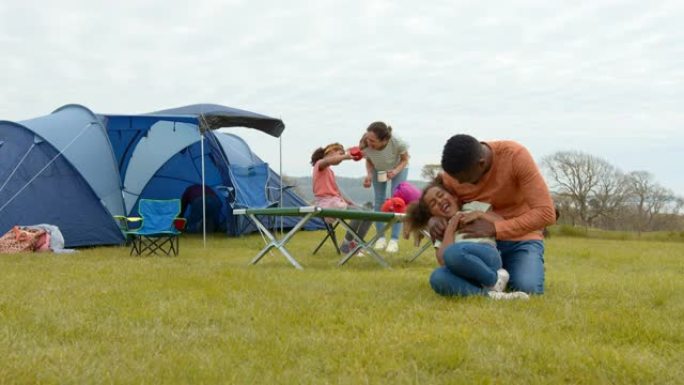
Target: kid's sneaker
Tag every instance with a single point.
(502, 280)
(345, 247)
(348, 246)
(380, 244)
(506, 296)
(392, 246)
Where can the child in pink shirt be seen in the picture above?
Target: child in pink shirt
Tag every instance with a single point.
(326, 192)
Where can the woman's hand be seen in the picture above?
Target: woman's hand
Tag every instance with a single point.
(392, 173)
(367, 182)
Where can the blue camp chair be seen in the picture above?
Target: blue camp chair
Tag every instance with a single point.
(159, 227)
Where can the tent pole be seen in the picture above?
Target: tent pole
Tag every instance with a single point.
(204, 203)
(280, 171)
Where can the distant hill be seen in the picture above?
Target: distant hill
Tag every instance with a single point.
(351, 187)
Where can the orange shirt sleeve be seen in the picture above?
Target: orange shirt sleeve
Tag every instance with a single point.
(535, 193)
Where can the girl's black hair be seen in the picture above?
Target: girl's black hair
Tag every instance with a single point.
(317, 155)
(418, 213)
(322, 151)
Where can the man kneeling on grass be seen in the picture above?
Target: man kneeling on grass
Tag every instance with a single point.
(503, 174)
(472, 264)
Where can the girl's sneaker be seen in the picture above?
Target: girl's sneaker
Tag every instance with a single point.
(502, 280)
(392, 246)
(380, 244)
(507, 296)
(348, 246)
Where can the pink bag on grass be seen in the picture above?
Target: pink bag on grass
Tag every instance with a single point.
(407, 192)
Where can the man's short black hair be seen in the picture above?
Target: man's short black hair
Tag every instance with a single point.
(461, 152)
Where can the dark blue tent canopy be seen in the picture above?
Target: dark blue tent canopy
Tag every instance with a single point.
(214, 116)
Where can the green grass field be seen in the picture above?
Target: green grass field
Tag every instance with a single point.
(613, 313)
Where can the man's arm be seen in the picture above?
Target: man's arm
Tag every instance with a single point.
(535, 193)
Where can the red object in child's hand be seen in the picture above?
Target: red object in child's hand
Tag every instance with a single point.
(394, 205)
(355, 153)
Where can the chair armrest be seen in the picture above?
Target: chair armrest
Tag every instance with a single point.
(124, 222)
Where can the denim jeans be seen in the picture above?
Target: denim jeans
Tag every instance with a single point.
(381, 195)
(469, 268)
(524, 261)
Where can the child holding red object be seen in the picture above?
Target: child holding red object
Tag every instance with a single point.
(326, 192)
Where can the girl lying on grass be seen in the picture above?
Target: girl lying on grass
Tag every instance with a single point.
(326, 192)
(469, 266)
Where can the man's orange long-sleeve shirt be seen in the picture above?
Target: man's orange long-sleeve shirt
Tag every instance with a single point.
(516, 190)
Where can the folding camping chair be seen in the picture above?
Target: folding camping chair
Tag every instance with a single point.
(159, 227)
(250, 190)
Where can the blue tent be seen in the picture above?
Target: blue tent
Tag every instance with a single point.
(109, 162)
(60, 169)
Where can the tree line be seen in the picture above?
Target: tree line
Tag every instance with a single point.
(589, 191)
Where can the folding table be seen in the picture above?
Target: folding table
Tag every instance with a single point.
(309, 212)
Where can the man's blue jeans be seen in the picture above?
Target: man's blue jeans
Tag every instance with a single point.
(381, 195)
(524, 261)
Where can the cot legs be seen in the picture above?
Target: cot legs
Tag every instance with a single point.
(279, 244)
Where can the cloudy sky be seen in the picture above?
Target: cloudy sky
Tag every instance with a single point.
(604, 77)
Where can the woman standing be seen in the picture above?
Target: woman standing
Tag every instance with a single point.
(386, 164)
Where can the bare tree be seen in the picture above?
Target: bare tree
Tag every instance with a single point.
(677, 206)
(588, 181)
(609, 195)
(565, 207)
(430, 171)
(649, 198)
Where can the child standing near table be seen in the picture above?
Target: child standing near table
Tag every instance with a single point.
(326, 192)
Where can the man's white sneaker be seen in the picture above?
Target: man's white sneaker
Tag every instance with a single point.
(501, 281)
(506, 296)
(392, 246)
(380, 244)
